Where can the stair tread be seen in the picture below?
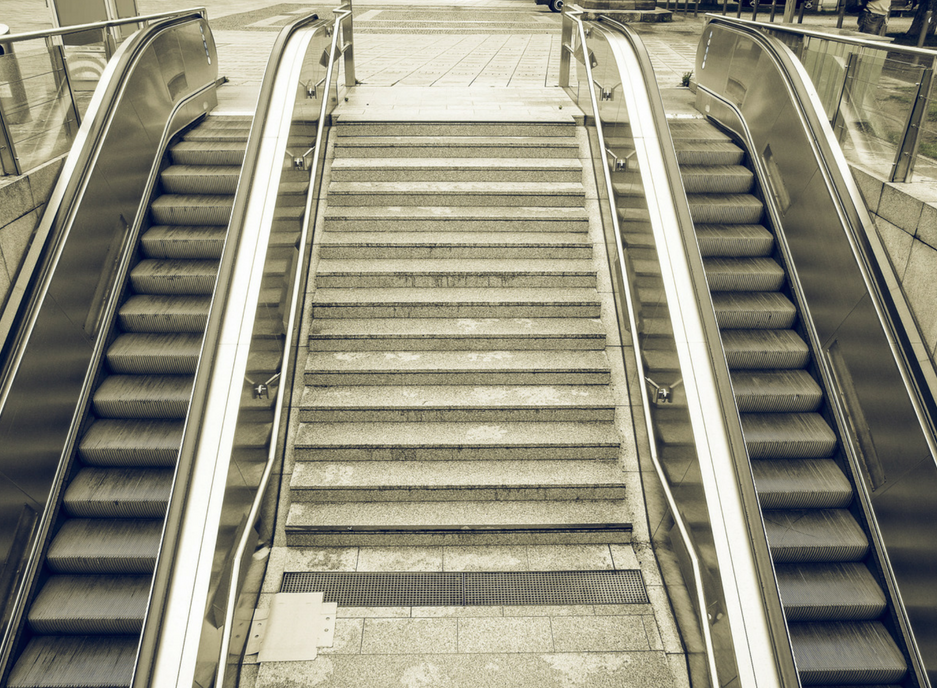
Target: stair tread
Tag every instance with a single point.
(461, 515)
(846, 652)
(352, 140)
(447, 327)
(444, 213)
(155, 353)
(106, 545)
(443, 239)
(801, 483)
(91, 604)
(102, 661)
(462, 474)
(734, 240)
(436, 434)
(764, 349)
(798, 535)
(444, 397)
(452, 295)
(776, 391)
(829, 592)
(119, 492)
(787, 435)
(145, 442)
(441, 361)
(352, 163)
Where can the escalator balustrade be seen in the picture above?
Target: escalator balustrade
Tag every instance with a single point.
(83, 625)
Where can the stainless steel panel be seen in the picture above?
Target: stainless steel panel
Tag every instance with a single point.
(828, 253)
(44, 393)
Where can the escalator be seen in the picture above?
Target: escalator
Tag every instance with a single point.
(836, 609)
(83, 626)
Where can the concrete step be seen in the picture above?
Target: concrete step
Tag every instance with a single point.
(547, 171)
(471, 272)
(456, 403)
(457, 368)
(454, 219)
(455, 441)
(450, 334)
(455, 194)
(455, 303)
(452, 146)
(455, 481)
(479, 245)
(463, 523)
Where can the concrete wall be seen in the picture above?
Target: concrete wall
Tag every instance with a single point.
(22, 201)
(908, 227)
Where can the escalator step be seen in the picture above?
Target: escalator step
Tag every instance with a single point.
(131, 443)
(57, 661)
(119, 493)
(163, 397)
(208, 153)
(169, 241)
(801, 484)
(815, 535)
(829, 592)
(106, 546)
(174, 276)
(178, 209)
(764, 349)
(844, 653)
(200, 179)
(708, 153)
(756, 310)
(157, 313)
(736, 209)
(91, 604)
(166, 353)
(776, 391)
(743, 274)
(787, 436)
(734, 240)
(717, 179)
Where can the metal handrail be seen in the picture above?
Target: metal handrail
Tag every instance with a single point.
(80, 28)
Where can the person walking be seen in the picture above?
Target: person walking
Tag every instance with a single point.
(874, 17)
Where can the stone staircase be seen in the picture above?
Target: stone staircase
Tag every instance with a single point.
(457, 388)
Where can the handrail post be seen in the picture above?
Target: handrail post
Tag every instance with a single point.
(907, 149)
(8, 159)
(566, 41)
(348, 45)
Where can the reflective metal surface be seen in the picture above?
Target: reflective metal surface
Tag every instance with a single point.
(699, 489)
(95, 210)
(235, 436)
(752, 86)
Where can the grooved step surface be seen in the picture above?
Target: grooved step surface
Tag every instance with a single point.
(167, 241)
(743, 274)
(119, 493)
(846, 653)
(87, 661)
(145, 313)
(764, 349)
(174, 276)
(821, 535)
(734, 241)
(829, 592)
(106, 546)
(91, 604)
(163, 397)
(776, 391)
(753, 310)
(787, 435)
(801, 484)
(125, 442)
(173, 353)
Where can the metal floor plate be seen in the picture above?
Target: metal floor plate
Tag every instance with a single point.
(528, 588)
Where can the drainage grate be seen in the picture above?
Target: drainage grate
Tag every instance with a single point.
(530, 588)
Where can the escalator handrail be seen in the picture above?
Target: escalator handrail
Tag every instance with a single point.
(285, 389)
(19, 311)
(784, 672)
(106, 24)
(153, 630)
(911, 355)
(57, 221)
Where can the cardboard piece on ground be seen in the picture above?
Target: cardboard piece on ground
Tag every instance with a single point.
(293, 627)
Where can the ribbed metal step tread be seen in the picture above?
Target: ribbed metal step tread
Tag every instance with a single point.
(119, 493)
(717, 179)
(742, 209)
(801, 484)
(685, 132)
(814, 535)
(71, 604)
(131, 443)
(174, 276)
(190, 242)
(200, 179)
(163, 397)
(764, 349)
(846, 653)
(743, 274)
(106, 546)
(691, 152)
(60, 661)
(173, 353)
(208, 153)
(734, 240)
(160, 313)
(753, 310)
(829, 592)
(189, 209)
(787, 435)
(776, 391)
